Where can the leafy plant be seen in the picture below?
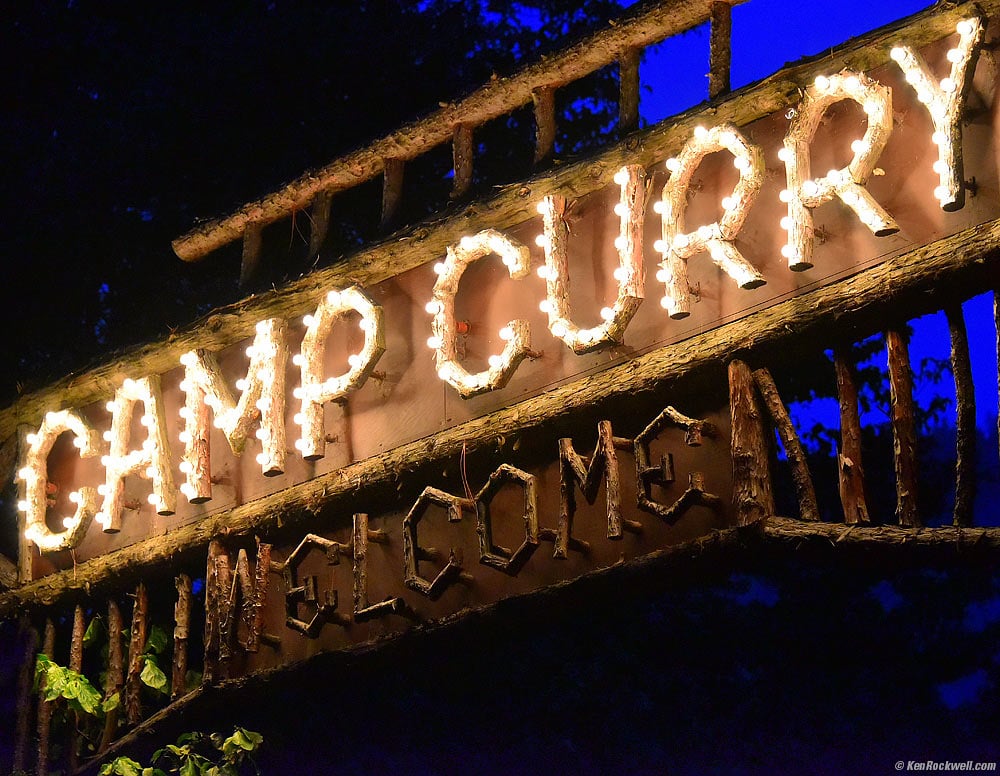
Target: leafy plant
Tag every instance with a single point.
(195, 754)
(72, 686)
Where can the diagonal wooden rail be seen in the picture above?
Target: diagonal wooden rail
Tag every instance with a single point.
(497, 98)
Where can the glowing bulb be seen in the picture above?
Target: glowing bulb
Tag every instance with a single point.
(506, 333)
(942, 192)
(102, 490)
(495, 361)
(22, 505)
(809, 188)
(545, 306)
(607, 313)
(681, 241)
(440, 268)
(659, 246)
(111, 406)
(741, 163)
(939, 138)
(31, 439)
(964, 27)
(252, 351)
(661, 276)
(298, 359)
(434, 342)
(542, 207)
(542, 241)
(354, 360)
(785, 195)
(940, 167)
(621, 243)
(822, 83)
(68, 522)
(700, 132)
(334, 298)
(620, 274)
(673, 165)
(898, 53)
(947, 85)
(860, 146)
(543, 272)
(621, 209)
(261, 458)
(559, 330)
(665, 303)
(184, 437)
(659, 207)
(954, 56)
(153, 499)
(467, 243)
(621, 177)
(786, 223)
(728, 203)
(75, 497)
(433, 307)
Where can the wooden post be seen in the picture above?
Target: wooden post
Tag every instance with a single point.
(225, 601)
(24, 705)
(965, 417)
(752, 494)
(720, 49)
(136, 647)
(392, 192)
(44, 706)
(182, 623)
(628, 96)
(808, 508)
(116, 674)
(850, 472)
(462, 152)
(75, 664)
(25, 548)
(544, 101)
(250, 265)
(903, 428)
(254, 593)
(996, 321)
(320, 215)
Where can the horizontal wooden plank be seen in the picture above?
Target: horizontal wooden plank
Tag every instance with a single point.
(908, 285)
(512, 205)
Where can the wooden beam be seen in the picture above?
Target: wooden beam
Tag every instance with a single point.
(497, 98)
(319, 216)
(462, 151)
(859, 304)
(851, 475)
(392, 191)
(752, 495)
(250, 263)
(544, 103)
(965, 420)
(808, 508)
(720, 49)
(44, 706)
(904, 431)
(513, 205)
(628, 89)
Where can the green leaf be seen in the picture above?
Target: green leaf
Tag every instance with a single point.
(157, 640)
(94, 631)
(121, 766)
(111, 702)
(153, 677)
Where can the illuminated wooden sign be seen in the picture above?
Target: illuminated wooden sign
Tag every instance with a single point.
(371, 422)
(256, 415)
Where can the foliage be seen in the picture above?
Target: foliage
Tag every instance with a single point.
(195, 754)
(72, 686)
